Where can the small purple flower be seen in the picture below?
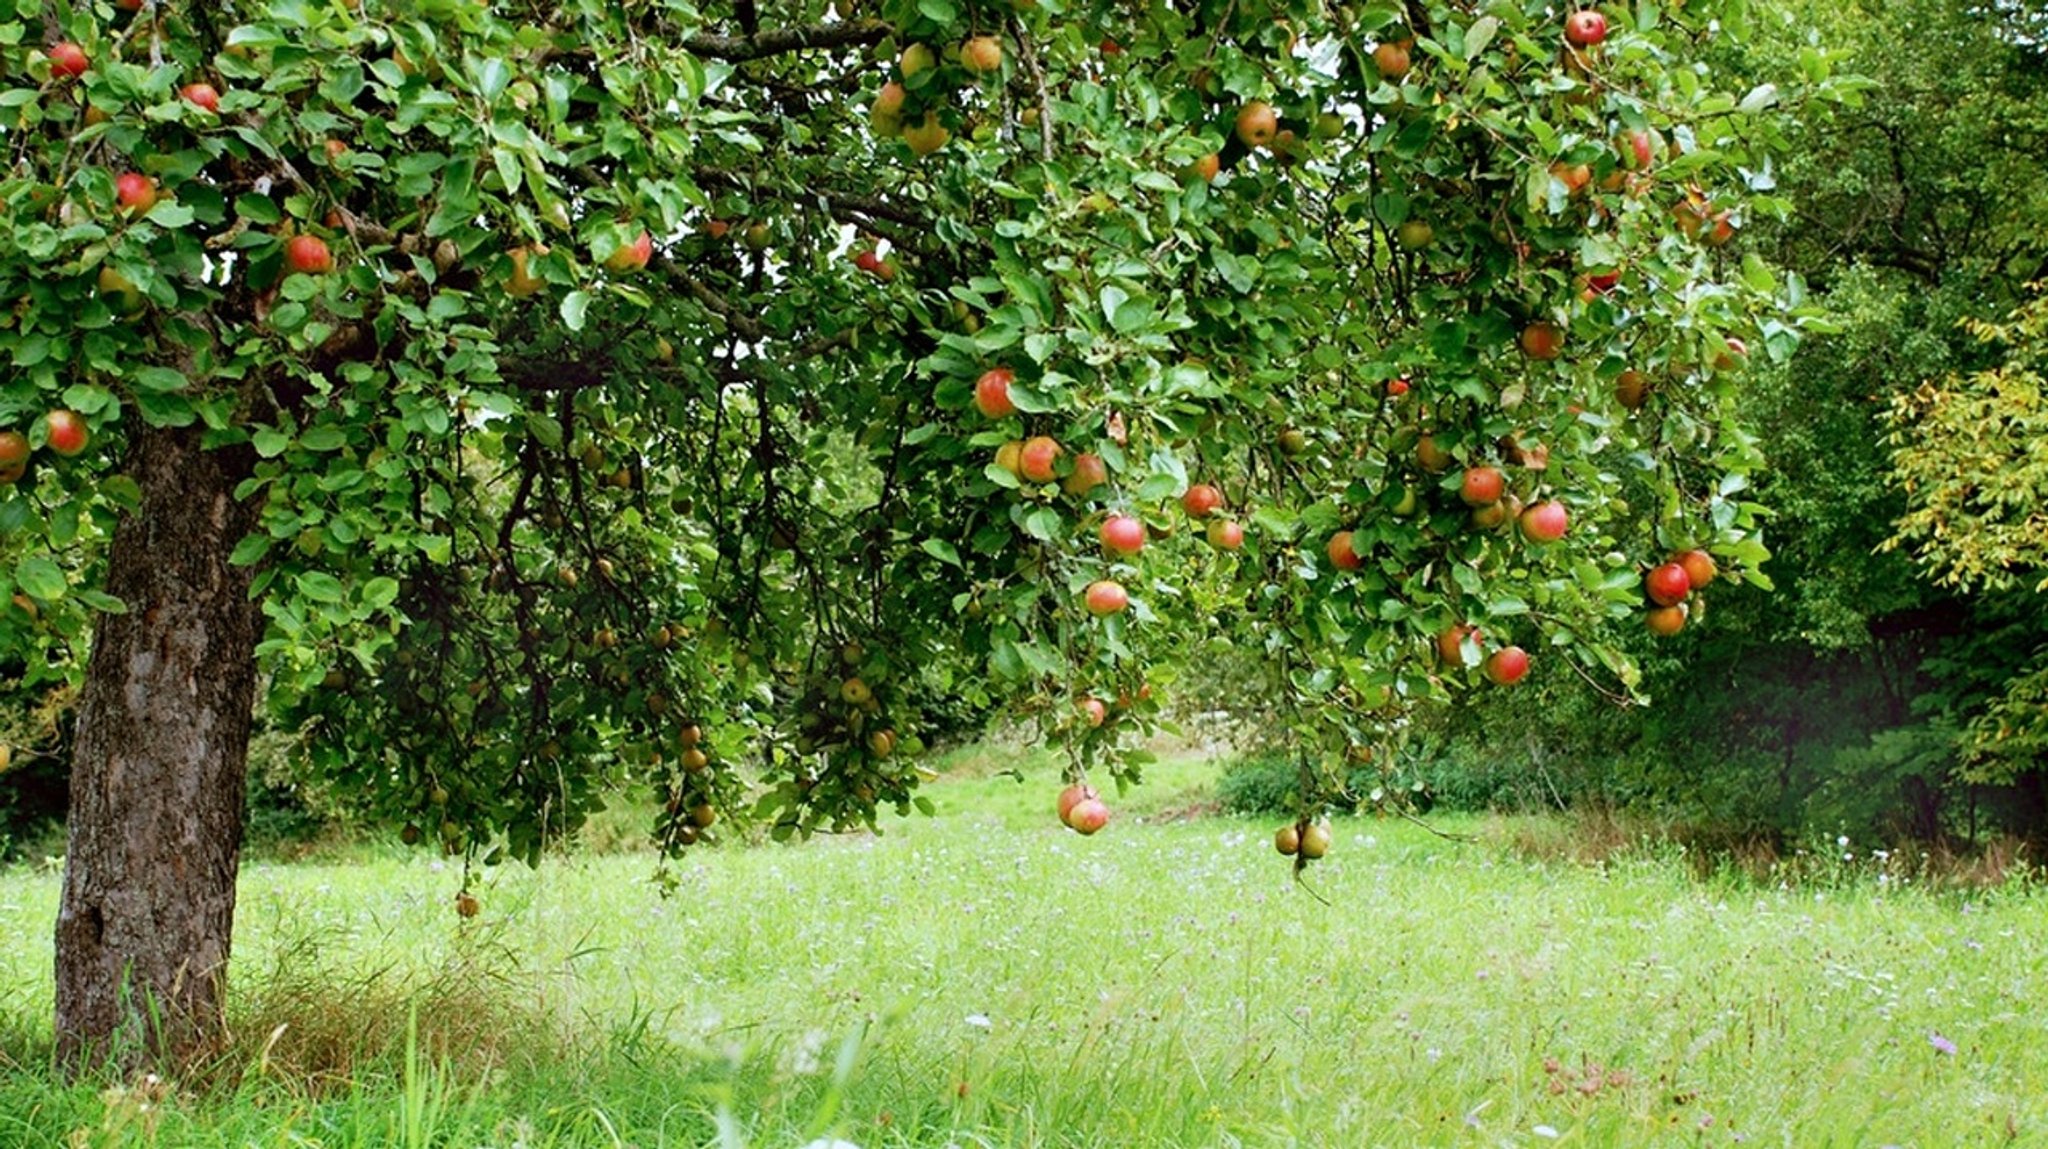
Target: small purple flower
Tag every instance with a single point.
(1941, 1044)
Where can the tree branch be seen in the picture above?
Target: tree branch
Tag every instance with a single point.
(1037, 74)
(777, 41)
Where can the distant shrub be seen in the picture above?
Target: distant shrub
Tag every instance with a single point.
(1260, 783)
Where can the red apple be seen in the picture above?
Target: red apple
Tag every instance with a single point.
(1257, 124)
(1602, 282)
(1072, 797)
(308, 254)
(1342, 555)
(1668, 584)
(927, 136)
(1392, 60)
(1201, 500)
(915, 59)
(1106, 596)
(1123, 534)
(1735, 356)
(632, 256)
(1665, 621)
(66, 432)
(1490, 516)
(1038, 458)
(1506, 666)
(1545, 522)
(1631, 389)
(1315, 841)
(1690, 214)
(1450, 644)
(13, 456)
(1574, 177)
(871, 263)
(1094, 711)
(201, 95)
(1397, 388)
(992, 393)
(1225, 535)
(1585, 28)
(1089, 473)
(1542, 341)
(67, 59)
(135, 191)
(982, 54)
(1432, 457)
(1638, 149)
(1088, 816)
(1208, 167)
(523, 282)
(1699, 568)
(1010, 457)
(1482, 486)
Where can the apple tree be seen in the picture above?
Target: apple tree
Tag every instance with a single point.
(529, 400)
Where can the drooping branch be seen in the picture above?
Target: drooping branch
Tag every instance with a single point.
(778, 41)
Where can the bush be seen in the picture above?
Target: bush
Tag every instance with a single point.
(1260, 783)
(1263, 783)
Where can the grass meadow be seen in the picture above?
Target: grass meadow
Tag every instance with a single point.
(984, 978)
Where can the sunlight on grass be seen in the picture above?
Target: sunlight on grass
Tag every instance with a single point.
(1161, 984)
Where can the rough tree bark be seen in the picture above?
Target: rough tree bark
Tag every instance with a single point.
(157, 772)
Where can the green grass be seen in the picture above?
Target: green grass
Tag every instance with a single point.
(996, 981)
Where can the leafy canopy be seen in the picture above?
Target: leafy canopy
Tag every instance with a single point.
(632, 434)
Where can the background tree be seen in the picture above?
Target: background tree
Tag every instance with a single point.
(1840, 701)
(540, 399)
(1967, 451)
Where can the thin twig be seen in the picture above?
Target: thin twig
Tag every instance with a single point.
(1446, 835)
(1037, 74)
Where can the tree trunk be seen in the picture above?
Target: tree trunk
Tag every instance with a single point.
(157, 772)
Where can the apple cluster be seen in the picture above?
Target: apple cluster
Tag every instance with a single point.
(908, 105)
(63, 431)
(1082, 810)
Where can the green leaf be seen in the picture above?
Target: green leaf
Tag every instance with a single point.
(942, 550)
(1042, 523)
(574, 305)
(492, 77)
(170, 215)
(250, 550)
(1479, 35)
(40, 578)
(100, 601)
(546, 429)
(380, 592)
(270, 442)
(260, 210)
(319, 586)
(160, 379)
(324, 438)
(1760, 97)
